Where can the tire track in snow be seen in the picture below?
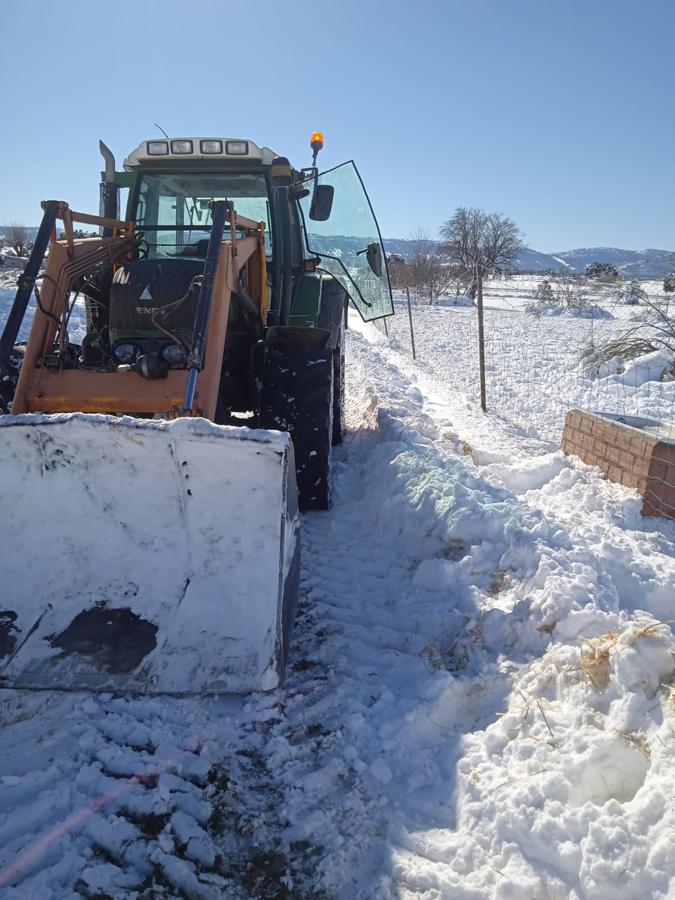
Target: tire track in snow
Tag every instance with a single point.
(140, 798)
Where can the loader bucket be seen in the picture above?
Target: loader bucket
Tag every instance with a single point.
(145, 555)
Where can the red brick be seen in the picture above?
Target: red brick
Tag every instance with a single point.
(626, 461)
(614, 474)
(619, 440)
(603, 429)
(630, 480)
(642, 445)
(641, 464)
(613, 454)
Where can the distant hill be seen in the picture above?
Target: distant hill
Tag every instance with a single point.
(650, 263)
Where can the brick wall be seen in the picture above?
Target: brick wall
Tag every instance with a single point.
(627, 456)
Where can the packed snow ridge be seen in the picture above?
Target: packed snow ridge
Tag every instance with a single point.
(478, 702)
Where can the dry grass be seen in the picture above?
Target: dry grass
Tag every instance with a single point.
(499, 581)
(638, 741)
(595, 663)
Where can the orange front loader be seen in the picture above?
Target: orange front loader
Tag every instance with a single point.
(144, 548)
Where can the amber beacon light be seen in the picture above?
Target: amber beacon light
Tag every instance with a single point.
(316, 143)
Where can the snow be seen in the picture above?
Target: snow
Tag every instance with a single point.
(478, 701)
(129, 517)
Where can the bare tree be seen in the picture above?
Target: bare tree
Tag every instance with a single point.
(428, 273)
(482, 244)
(17, 236)
(479, 242)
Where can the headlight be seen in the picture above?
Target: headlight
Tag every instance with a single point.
(181, 146)
(125, 353)
(158, 148)
(173, 354)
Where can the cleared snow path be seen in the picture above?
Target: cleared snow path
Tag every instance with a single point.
(439, 734)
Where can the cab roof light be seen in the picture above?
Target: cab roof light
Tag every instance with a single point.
(181, 146)
(236, 148)
(211, 146)
(157, 148)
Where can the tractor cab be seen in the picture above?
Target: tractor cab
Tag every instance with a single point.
(230, 269)
(313, 222)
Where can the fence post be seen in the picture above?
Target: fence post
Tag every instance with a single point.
(412, 333)
(481, 338)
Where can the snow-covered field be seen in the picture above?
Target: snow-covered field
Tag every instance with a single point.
(478, 701)
(534, 373)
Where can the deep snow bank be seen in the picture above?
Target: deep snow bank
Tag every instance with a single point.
(470, 748)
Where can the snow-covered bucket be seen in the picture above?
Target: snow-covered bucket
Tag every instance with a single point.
(141, 555)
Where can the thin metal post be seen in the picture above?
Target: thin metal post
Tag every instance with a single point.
(481, 338)
(26, 281)
(386, 330)
(412, 333)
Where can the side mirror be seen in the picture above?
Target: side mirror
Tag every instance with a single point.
(374, 257)
(322, 202)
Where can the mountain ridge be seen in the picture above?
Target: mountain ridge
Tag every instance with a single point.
(647, 263)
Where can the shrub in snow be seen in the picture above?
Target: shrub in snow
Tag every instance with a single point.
(583, 311)
(564, 293)
(631, 295)
(654, 335)
(669, 283)
(602, 271)
(544, 292)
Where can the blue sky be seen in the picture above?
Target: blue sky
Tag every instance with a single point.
(559, 114)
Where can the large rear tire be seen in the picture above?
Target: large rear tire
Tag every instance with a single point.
(297, 396)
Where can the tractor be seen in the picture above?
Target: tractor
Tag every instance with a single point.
(195, 350)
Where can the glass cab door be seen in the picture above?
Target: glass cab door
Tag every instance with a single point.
(349, 242)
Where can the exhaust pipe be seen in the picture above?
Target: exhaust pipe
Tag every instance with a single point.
(109, 206)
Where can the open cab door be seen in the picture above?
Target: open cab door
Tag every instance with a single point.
(348, 240)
